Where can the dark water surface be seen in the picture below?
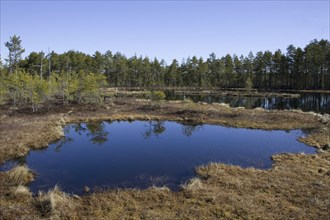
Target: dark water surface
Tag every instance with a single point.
(316, 102)
(145, 153)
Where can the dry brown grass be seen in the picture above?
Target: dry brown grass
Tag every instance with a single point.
(193, 185)
(296, 187)
(22, 132)
(55, 204)
(21, 191)
(20, 175)
(293, 188)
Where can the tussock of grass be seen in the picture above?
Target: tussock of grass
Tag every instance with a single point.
(55, 203)
(193, 184)
(20, 175)
(21, 191)
(130, 118)
(222, 105)
(259, 109)
(296, 111)
(325, 118)
(163, 188)
(314, 114)
(58, 131)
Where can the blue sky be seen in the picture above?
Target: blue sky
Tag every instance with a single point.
(163, 29)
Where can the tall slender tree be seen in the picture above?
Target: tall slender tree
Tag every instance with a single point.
(15, 52)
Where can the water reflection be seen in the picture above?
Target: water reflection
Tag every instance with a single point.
(189, 129)
(62, 142)
(8, 165)
(317, 102)
(155, 128)
(95, 130)
(140, 154)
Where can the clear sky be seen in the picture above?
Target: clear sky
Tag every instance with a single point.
(163, 29)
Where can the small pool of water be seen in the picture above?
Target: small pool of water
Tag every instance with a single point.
(140, 154)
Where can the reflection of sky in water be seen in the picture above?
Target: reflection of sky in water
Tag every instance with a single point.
(142, 153)
(317, 102)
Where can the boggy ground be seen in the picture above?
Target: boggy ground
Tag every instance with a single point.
(297, 186)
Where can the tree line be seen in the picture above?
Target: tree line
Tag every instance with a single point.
(296, 68)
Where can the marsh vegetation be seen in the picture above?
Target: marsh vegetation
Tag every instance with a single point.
(306, 175)
(71, 89)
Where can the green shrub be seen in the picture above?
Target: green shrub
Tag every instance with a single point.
(157, 98)
(25, 89)
(3, 87)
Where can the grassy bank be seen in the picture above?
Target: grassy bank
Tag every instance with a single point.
(296, 187)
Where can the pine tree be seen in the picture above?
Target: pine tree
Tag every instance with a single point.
(15, 52)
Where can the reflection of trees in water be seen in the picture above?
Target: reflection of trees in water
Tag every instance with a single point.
(95, 130)
(251, 102)
(319, 102)
(154, 128)
(61, 143)
(189, 129)
(79, 128)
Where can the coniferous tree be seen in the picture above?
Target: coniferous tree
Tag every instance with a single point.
(229, 68)
(15, 52)
(297, 68)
